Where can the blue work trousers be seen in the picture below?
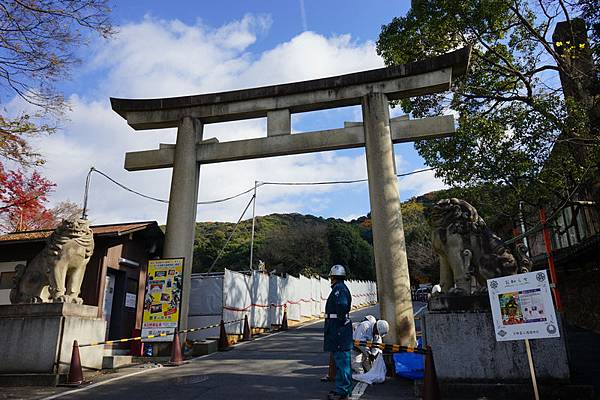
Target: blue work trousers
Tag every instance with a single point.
(343, 372)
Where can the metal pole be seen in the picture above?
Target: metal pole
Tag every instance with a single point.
(253, 222)
(86, 192)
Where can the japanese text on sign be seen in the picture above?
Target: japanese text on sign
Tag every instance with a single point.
(163, 295)
(522, 307)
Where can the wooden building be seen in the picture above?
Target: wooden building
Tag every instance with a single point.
(575, 245)
(115, 277)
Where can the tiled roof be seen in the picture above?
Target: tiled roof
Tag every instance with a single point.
(23, 236)
(118, 229)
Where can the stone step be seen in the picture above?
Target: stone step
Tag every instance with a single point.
(116, 361)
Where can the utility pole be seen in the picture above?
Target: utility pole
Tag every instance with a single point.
(253, 222)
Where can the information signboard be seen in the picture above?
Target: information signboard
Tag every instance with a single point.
(163, 297)
(522, 307)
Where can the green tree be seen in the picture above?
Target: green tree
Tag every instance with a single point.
(38, 42)
(515, 128)
(38, 39)
(297, 248)
(349, 249)
(423, 265)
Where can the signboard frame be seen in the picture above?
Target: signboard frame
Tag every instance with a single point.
(162, 299)
(522, 307)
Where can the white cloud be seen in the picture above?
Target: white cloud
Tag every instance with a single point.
(155, 58)
(421, 183)
(351, 217)
(309, 56)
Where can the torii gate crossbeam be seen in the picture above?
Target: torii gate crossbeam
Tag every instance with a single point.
(372, 89)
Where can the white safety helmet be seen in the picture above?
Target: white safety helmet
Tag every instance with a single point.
(383, 327)
(337, 270)
(371, 319)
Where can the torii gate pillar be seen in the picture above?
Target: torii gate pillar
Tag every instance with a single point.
(391, 264)
(181, 217)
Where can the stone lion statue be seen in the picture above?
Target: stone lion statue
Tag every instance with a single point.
(56, 273)
(469, 252)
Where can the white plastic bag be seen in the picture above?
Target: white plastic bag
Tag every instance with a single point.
(375, 375)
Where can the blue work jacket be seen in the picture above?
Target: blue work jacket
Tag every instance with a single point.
(338, 331)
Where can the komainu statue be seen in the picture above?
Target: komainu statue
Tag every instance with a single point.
(469, 252)
(56, 273)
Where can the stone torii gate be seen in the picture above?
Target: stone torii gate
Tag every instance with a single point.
(372, 89)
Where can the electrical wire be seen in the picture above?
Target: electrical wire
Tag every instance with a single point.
(126, 188)
(341, 182)
(231, 235)
(253, 199)
(536, 228)
(122, 186)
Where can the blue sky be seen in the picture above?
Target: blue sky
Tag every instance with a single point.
(192, 47)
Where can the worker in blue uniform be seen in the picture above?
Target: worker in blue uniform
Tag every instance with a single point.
(338, 332)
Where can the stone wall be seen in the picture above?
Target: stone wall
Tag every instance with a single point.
(465, 350)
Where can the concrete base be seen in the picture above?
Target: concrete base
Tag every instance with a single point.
(38, 338)
(515, 391)
(204, 347)
(465, 349)
(115, 361)
(17, 380)
(154, 360)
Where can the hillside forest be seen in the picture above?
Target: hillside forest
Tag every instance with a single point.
(295, 243)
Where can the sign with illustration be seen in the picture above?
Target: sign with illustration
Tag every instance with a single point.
(163, 296)
(522, 307)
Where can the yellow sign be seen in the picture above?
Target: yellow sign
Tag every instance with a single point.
(163, 296)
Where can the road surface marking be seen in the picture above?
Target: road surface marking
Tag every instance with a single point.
(56, 396)
(359, 390)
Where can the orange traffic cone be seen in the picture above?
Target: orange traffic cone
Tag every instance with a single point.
(431, 388)
(223, 339)
(75, 372)
(176, 357)
(284, 323)
(247, 332)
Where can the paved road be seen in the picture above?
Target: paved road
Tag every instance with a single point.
(286, 365)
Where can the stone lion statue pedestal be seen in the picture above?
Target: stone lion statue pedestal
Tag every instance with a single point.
(459, 327)
(37, 331)
(470, 362)
(37, 341)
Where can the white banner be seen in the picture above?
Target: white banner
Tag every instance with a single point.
(522, 307)
(261, 297)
